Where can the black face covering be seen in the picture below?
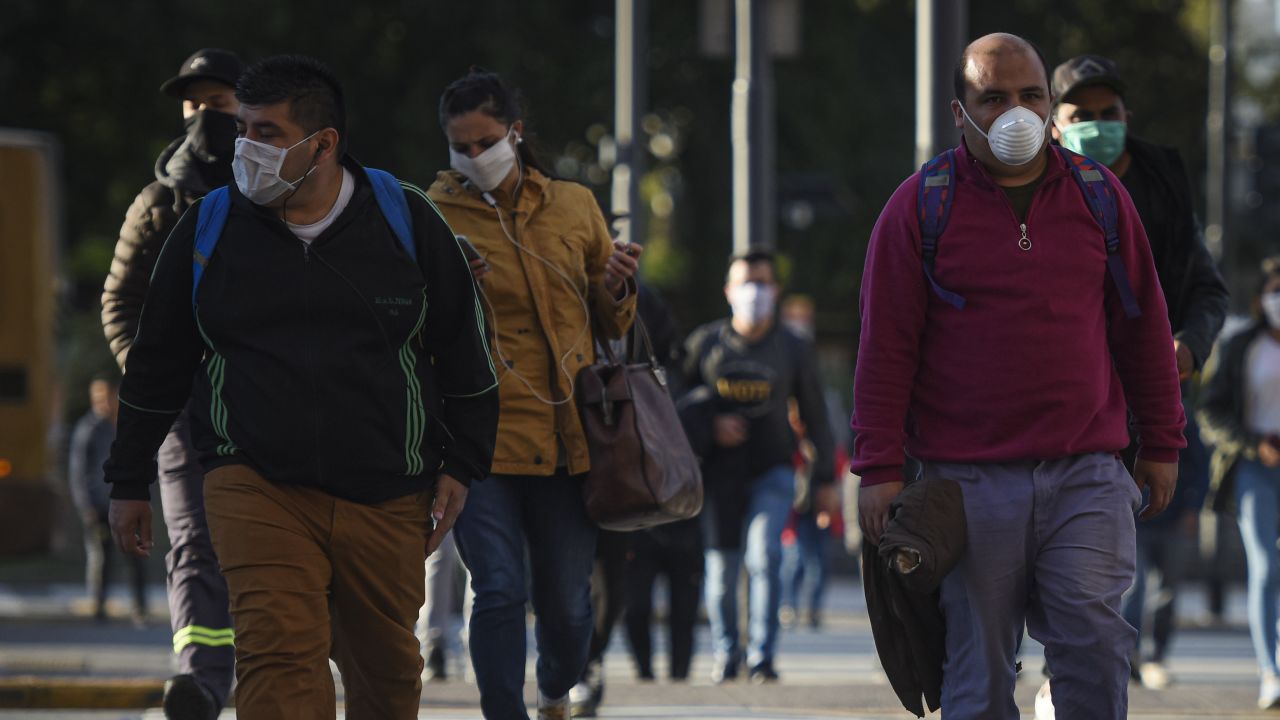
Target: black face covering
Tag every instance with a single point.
(211, 135)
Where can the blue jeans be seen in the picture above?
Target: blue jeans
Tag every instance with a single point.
(1050, 544)
(804, 565)
(771, 496)
(1258, 498)
(506, 515)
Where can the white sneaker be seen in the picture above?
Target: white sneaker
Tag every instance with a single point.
(1044, 703)
(1269, 694)
(1155, 676)
(553, 709)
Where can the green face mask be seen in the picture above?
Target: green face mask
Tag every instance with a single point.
(1100, 140)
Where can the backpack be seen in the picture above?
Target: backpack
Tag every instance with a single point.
(937, 191)
(217, 205)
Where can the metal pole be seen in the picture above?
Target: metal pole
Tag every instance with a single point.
(1218, 126)
(941, 27)
(630, 91)
(752, 129)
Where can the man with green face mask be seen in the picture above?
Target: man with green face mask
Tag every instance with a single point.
(1091, 118)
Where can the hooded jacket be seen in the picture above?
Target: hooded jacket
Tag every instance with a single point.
(341, 365)
(1042, 361)
(541, 319)
(1194, 290)
(184, 173)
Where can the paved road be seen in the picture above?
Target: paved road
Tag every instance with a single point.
(826, 673)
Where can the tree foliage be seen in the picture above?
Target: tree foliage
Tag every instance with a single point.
(89, 72)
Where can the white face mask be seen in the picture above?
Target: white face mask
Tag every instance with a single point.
(752, 302)
(256, 167)
(488, 169)
(1271, 309)
(1016, 136)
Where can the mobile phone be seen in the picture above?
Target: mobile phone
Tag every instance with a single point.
(468, 249)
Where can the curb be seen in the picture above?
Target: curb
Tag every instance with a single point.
(29, 692)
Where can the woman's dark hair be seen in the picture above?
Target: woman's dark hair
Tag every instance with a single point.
(484, 91)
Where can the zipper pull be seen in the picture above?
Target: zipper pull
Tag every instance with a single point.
(1024, 242)
(306, 251)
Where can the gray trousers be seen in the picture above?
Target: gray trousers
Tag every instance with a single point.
(198, 604)
(1050, 544)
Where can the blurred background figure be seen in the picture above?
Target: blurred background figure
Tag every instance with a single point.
(1240, 416)
(805, 542)
(436, 618)
(90, 446)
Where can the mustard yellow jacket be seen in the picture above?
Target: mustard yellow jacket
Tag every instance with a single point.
(541, 331)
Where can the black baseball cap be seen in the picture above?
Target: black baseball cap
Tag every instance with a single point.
(1084, 70)
(207, 64)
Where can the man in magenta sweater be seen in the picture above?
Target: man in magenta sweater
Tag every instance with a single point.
(1019, 393)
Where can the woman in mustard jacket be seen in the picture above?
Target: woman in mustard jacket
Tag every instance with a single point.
(548, 269)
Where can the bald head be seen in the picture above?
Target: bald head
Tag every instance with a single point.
(990, 51)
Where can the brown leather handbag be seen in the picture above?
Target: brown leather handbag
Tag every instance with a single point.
(643, 471)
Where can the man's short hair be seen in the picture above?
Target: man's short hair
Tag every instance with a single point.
(957, 78)
(311, 89)
(754, 257)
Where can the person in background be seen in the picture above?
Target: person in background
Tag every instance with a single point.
(90, 445)
(435, 618)
(550, 273)
(1240, 417)
(192, 165)
(673, 550)
(745, 369)
(1091, 117)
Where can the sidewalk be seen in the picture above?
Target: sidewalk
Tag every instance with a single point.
(52, 655)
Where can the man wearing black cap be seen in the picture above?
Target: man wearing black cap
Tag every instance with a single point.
(189, 167)
(1091, 118)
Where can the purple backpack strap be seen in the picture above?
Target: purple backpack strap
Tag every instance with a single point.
(933, 207)
(1101, 199)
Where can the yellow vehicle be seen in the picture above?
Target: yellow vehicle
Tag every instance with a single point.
(30, 235)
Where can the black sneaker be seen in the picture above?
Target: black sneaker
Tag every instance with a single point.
(186, 699)
(763, 673)
(434, 669)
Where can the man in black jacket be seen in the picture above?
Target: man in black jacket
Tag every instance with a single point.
(343, 400)
(1091, 118)
(189, 167)
(748, 366)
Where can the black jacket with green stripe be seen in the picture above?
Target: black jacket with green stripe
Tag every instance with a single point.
(343, 365)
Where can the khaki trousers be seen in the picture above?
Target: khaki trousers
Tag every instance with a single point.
(311, 577)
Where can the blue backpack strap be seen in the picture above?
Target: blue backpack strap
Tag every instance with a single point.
(1101, 199)
(395, 208)
(209, 223)
(933, 207)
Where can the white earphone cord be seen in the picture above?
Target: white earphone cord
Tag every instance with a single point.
(508, 366)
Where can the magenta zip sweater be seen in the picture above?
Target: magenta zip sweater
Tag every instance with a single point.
(1041, 363)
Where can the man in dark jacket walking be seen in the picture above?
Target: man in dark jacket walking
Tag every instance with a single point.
(1091, 118)
(343, 399)
(189, 167)
(748, 367)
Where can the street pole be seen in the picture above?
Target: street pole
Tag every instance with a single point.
(1218, 127)
(630, 91)
(752, 128)
(941, 26)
